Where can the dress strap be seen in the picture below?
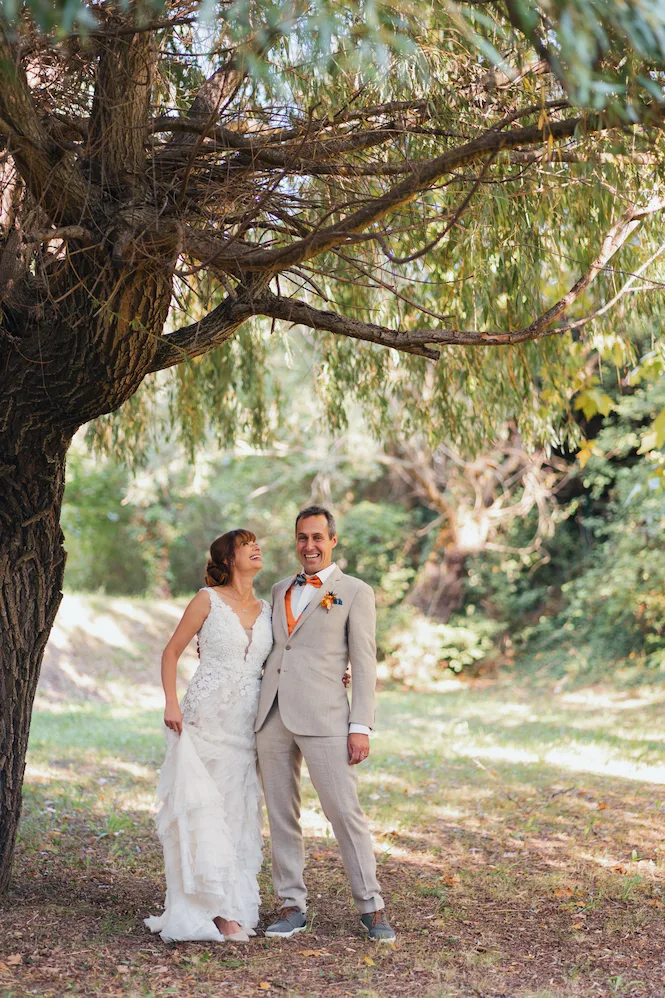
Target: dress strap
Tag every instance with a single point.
(211, 592)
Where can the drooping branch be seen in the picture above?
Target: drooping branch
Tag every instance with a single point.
(420, 341)
(237, 259)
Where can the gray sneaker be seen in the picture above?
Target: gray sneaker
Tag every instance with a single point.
(377, 927)
(290, 921)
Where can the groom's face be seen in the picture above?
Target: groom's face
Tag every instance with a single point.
(314, 546)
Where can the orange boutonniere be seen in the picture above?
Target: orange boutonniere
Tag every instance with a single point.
(329, 600)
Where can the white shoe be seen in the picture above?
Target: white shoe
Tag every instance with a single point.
(238, 937)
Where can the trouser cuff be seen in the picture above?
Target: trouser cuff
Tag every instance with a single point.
(372, 904)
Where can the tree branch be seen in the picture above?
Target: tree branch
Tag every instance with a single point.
(53, 179)
(424, 176)
(115, 31)
(201, 337)
(118, 128)
(420, 341)
(297, 312)
(85, 236)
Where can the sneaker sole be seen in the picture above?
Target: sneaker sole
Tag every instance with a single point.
(284, 935)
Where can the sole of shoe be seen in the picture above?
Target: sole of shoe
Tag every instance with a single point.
(283, 935)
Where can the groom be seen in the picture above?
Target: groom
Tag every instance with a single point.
(322, 620)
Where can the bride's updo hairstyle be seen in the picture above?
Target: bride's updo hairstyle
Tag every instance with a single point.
(222, 555)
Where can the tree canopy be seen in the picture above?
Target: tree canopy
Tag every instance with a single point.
(402, 175)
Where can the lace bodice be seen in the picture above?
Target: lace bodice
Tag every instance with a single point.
(230, 663)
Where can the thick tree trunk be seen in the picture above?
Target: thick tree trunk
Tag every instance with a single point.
(439, 587)
(54, 376)
(32, 562)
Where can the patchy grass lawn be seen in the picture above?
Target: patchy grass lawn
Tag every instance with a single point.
(520, 842)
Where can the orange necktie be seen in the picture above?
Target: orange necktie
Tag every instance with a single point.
(312, 580)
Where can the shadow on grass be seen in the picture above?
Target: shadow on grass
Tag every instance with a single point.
(506, 876)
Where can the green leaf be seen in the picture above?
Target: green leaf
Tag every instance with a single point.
(654, 437)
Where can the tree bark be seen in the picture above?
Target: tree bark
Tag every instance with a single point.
(32, 563)
(78, 362)
(439, 587)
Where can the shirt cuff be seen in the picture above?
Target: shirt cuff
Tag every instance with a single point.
(359, 729)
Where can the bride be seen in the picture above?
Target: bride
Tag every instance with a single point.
(210, 820)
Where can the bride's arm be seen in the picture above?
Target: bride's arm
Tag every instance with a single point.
(189, 625)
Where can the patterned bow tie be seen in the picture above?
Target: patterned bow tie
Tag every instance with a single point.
(307, 580)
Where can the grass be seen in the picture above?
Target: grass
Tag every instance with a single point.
(518, 830)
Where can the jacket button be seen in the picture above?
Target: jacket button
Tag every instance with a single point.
(279, 670)
(288, 647)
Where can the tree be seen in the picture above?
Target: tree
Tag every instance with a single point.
(274, 162)
(475, 500)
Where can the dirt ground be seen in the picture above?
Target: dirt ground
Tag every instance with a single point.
(518, 830)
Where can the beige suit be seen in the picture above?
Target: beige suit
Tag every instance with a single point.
(304, 712)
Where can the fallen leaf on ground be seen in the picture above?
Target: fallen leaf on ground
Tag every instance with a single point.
(122, 969)
(264, 985)
(313, 952)
(368, 960)
(14, 960)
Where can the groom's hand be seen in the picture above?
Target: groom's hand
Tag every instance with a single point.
(358, 748)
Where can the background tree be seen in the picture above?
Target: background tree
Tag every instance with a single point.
(277, 161)
(475, 500)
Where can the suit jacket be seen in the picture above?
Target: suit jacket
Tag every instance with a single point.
(305, 669)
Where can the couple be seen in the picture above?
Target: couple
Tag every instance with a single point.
(210, 820)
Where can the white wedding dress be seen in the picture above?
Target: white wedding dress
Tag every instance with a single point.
(210, 820)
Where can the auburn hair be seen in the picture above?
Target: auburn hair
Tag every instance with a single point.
(222, 555)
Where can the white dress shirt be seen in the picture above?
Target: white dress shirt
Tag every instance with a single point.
(301, 597)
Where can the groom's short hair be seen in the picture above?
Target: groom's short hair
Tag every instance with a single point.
(318, 511)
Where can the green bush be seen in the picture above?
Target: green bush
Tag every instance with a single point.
(418, 651)
(372, 545)
(102, 539)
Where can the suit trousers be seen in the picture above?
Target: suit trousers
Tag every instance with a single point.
(280, 759)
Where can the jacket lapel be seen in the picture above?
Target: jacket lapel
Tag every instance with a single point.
(316, 598)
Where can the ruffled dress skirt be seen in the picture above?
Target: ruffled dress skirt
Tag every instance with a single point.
(210, 821)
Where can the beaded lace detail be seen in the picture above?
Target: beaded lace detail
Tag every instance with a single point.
(230, 664)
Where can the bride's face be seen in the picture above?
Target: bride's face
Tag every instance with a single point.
(248, 557)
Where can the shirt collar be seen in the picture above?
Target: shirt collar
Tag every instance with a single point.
(325, 572)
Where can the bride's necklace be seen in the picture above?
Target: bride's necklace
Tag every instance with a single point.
(238, 599)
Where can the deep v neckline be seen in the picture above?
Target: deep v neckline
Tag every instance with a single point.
(235, 615)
